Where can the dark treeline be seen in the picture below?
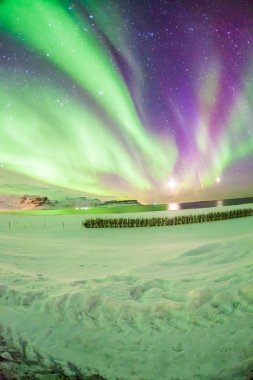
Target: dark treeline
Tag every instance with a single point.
(154, 222)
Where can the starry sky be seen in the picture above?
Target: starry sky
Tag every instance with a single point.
(141, 99)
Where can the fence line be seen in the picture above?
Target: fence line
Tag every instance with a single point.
(154, 222)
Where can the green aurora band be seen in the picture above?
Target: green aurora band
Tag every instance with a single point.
(91, 146)
(234, 143)
(98, 143)
(69, 153)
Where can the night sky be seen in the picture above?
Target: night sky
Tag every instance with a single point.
(143, 99)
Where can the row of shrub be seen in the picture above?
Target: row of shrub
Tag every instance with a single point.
(153, 222)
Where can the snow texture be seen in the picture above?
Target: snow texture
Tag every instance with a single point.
(161, 303)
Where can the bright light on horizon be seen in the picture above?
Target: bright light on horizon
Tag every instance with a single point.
(173, 206)
(217, 180)
(172, 184)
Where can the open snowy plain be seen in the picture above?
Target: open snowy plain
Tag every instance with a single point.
(132, 304)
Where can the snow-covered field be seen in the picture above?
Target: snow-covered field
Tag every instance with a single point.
(132, 304)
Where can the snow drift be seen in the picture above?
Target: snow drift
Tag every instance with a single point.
(129, 304)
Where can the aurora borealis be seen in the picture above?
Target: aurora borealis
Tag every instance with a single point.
(141, 99)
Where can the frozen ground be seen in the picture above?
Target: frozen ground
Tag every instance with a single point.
(146, 303)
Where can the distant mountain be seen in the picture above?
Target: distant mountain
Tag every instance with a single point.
(77, 202)
(29, 202)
